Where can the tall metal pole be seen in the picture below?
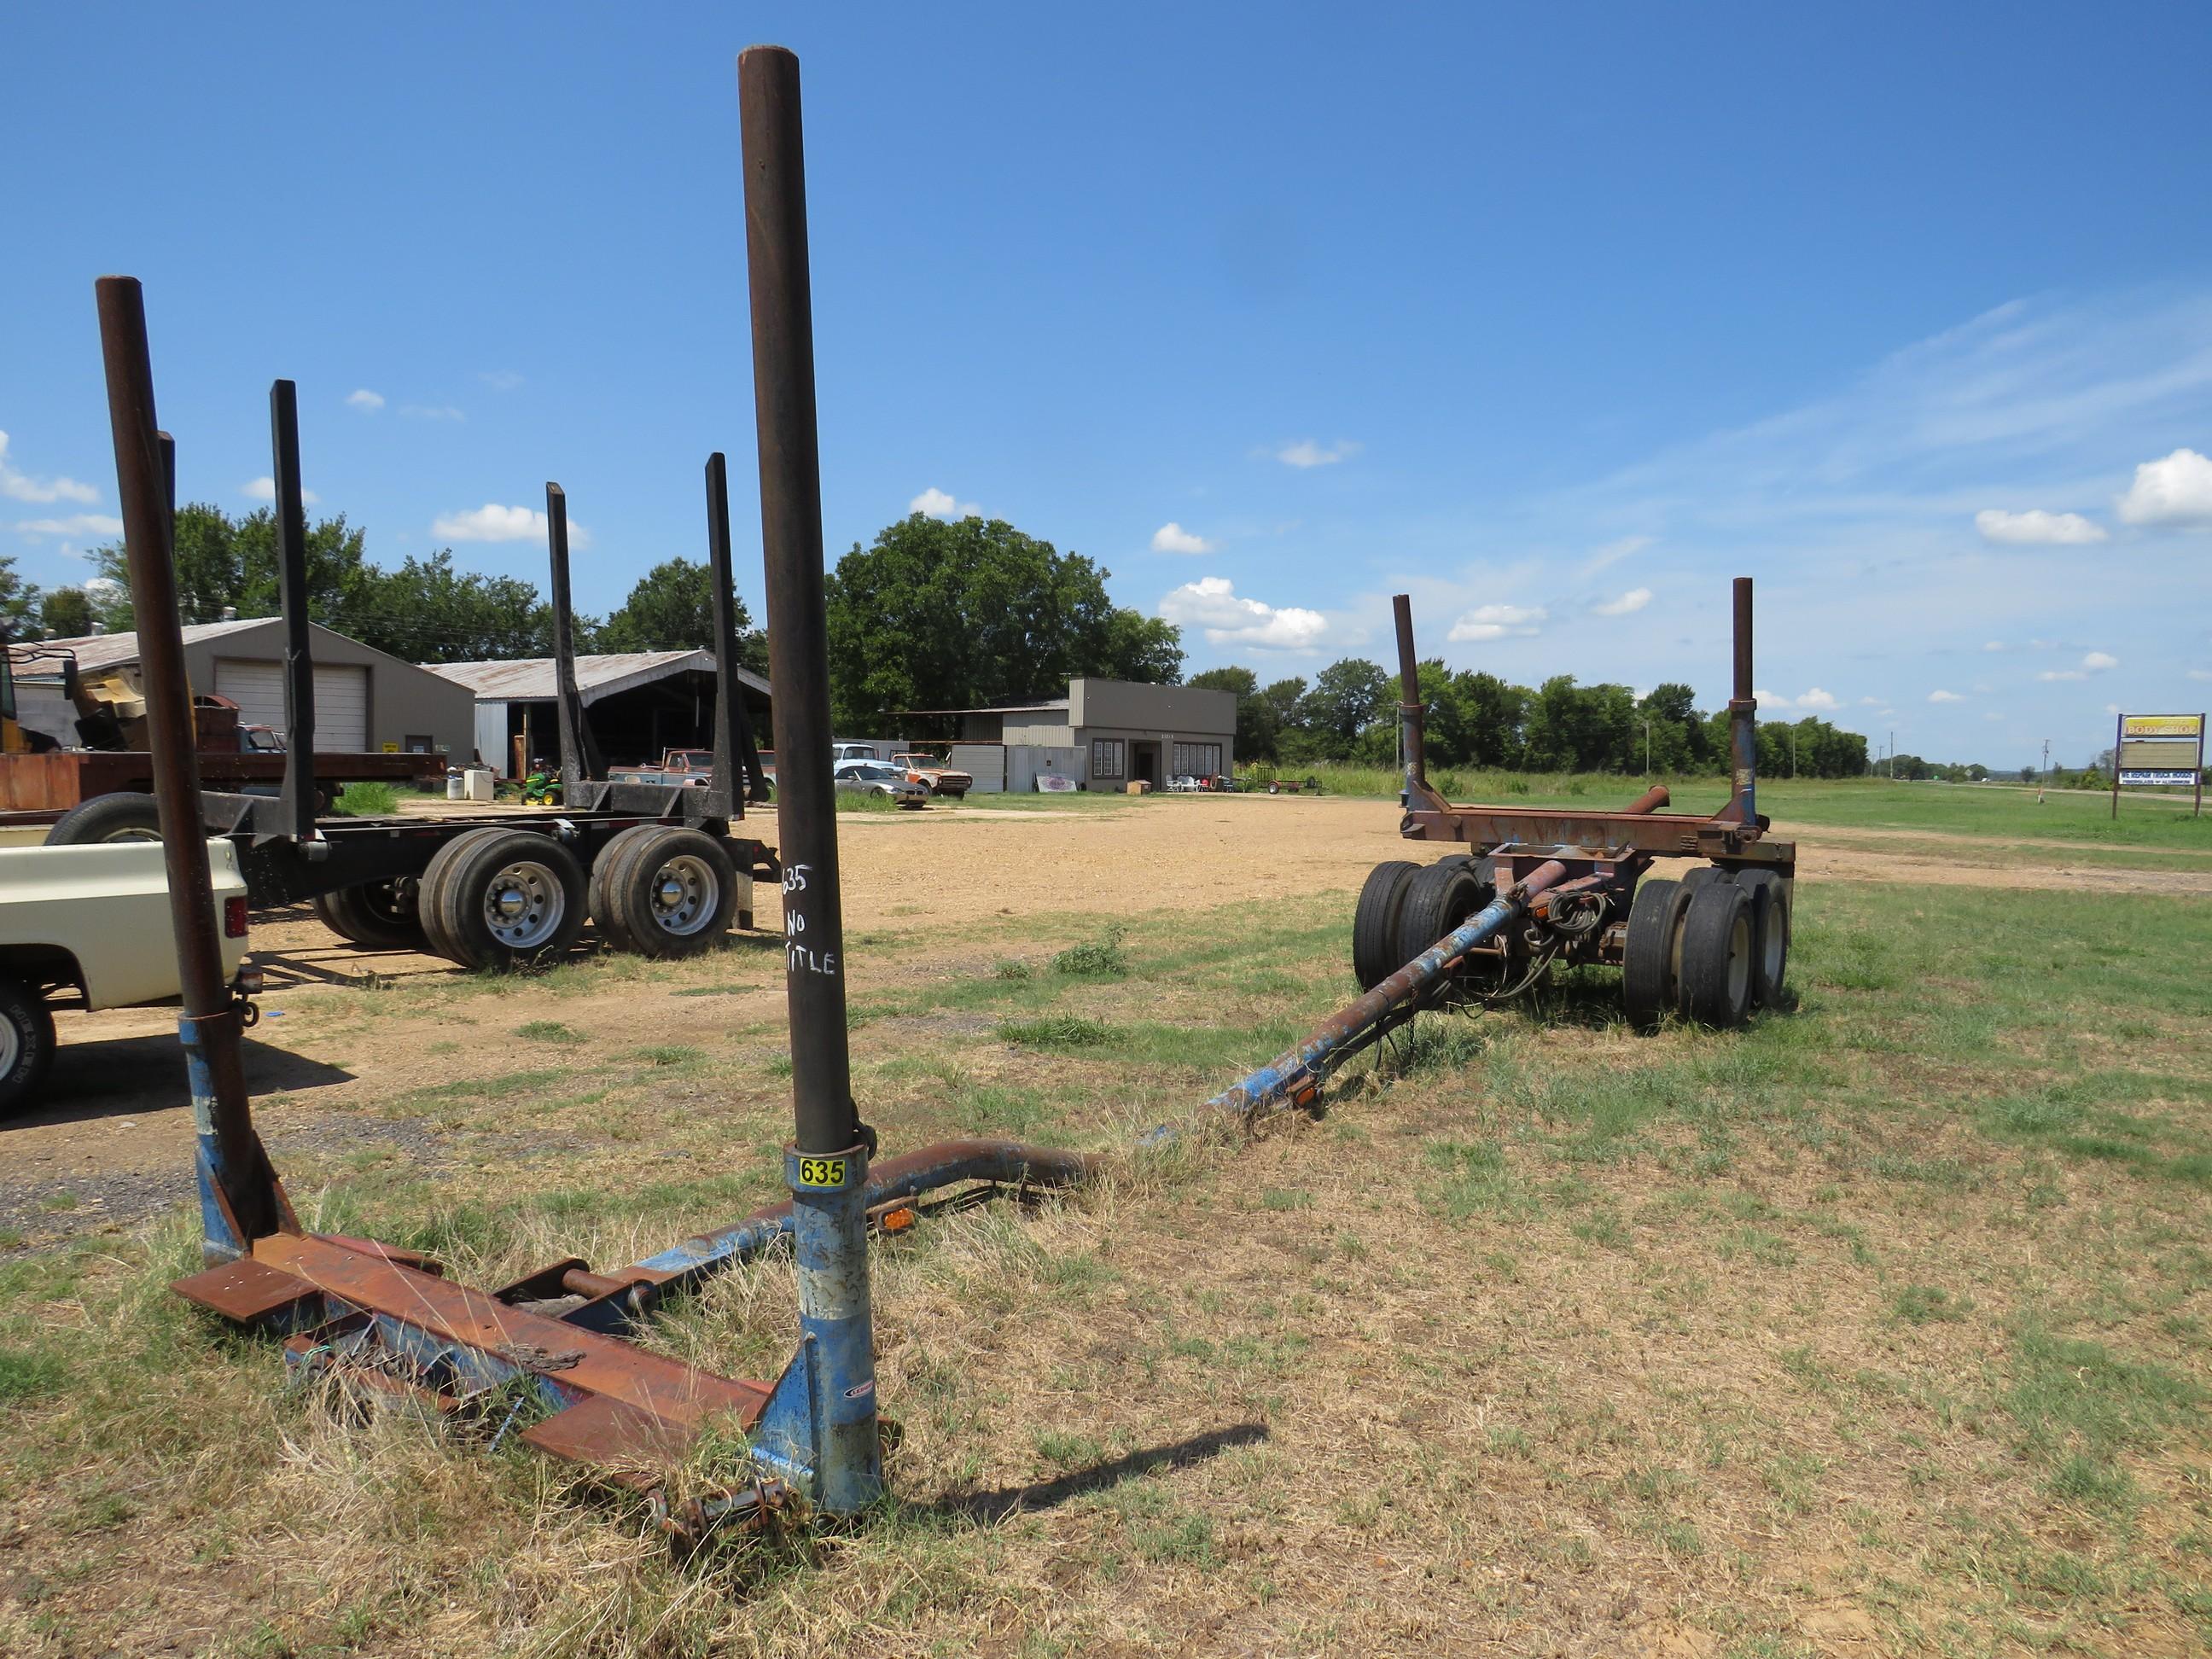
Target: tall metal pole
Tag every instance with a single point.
(2119, 740)
(737, 758)
(1743, 708)
(827, 1163)
(292, 587)
(239, 1199)
(579, 754)
(1409, 699)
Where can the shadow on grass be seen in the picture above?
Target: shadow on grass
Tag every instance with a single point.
(984, 1508)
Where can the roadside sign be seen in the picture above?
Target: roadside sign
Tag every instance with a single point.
(2159, 749)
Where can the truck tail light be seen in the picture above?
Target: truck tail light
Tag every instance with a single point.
(234, 917)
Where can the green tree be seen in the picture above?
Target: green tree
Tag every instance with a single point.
(1346, 698)
(225, 561)
(672, 609)
(67, 611)
(940, 616)
(18, 600)
(428, 612)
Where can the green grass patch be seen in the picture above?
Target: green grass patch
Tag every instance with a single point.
(366, 800)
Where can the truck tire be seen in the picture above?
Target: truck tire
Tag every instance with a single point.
(1769, 934)
(27, 1046)
(1717, 955)
(385, 915)
(126, 815)
(1651, 964)
(606, 874)
(1374, 922)
(671, 893)
(1438, 899)
(430, 894)
(512, 897)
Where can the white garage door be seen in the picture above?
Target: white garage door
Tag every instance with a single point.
(341, 699)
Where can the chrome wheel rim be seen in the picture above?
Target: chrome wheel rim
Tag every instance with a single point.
(686, 893)
(523, 905)
(135, 833)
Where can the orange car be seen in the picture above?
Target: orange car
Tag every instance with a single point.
(934, 775)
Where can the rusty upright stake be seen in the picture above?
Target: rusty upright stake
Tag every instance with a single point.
(737, 758)
(292, 585)
(580, 751)
(1410, 744)
(1743, 717)
(827, 1164)
(239, 1198)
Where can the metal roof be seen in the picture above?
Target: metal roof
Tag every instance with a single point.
(1055, 706)
(108, 650)
(529, 680)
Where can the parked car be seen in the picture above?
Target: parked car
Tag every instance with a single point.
(935, 776)
(88, 928)
(876, 777)
(687, 768)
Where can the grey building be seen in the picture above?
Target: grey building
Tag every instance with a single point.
(638, 702)
(1105, 734)
(364, 699)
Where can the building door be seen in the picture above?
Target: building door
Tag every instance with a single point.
(341, 699)
(1144, 763)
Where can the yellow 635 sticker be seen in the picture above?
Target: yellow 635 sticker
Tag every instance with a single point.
(821, 1171)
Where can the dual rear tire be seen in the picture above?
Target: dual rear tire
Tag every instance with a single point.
(1405, 907)
(656, 891)
(1708, 948)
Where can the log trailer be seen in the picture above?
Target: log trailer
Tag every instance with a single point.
(1710, 947)
(660, 868)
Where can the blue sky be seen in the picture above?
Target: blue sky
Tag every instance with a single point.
(1557, 318)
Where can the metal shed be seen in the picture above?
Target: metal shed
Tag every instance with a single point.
(639, 702)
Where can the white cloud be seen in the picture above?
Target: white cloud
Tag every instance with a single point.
(936, 504)
(1991, 715)
(1211, 603)
(1633, 600)
(2176, 490)
(2097, 661)
(265, 490)
(494, 523)
(501, 380)
(362, 397)
(1993, 645)
(2035, 525)
(2111, 708)
(2200, 673)
(77, 524)
(431, 412)
(2061, 674)
(1172, 538)
(1495, 621)
(1306, 452)
(1870, 703)
(22, 487)
(1768, 699)
(1940, 696)
(1816, 698)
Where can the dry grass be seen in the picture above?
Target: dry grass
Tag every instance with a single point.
(1876, 1329)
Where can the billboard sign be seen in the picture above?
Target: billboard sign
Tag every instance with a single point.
(2159, 749)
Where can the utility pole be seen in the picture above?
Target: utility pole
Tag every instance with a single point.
(1893, 756)
(1647, 746)
(1793, 754)
(2043, 778)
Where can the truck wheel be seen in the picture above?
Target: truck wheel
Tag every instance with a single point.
(1769, 934)
(673, 894)
(27, 1045)
(126, 814)
(1438, 899)
(607, 874)
(514, 897)
(1374, 922)
(430, 904)
(1652, 961)
(384, 913)
(1717, 955)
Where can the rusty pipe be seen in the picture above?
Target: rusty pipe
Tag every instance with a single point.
(1743, 718)
(1411, 746)
(239, 1199)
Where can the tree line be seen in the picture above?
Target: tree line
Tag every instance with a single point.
(1349, 715)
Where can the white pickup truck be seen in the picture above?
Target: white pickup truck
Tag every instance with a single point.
(88, 928)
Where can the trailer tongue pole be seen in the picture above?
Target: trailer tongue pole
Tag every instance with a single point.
(239, 1198)
(827, 1164)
